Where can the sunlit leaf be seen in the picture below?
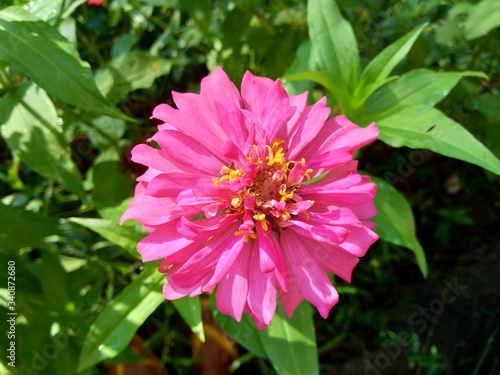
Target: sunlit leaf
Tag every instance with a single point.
(395, 222)
(50, 60)
(190, 310)
(420, 126)
(31, 131)
(483, 17)
(378, 70)
(333, 40)
(117, 324)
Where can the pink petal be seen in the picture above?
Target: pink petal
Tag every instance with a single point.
(276, 112)
(191, 119)
(156, 211)
(203, 228)
(317, 231)
(330, 159)
(292, 298)
(262, 290)
(307, 127)
(339, 132)
(358, 241)
(173, 291)
(188, 153)
(312, 281)
(162, 242)
(271, 256)
(227, 258)
(152, 157)
(299, 102)
(233, 288)
(170, 185)
(254, 91)
(336, 261)
(218, 86)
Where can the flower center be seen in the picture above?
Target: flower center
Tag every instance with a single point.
(266, 189)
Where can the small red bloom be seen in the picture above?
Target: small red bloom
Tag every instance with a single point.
(95, 2)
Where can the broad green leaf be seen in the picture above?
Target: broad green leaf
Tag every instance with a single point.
(334, 43)
(378, 70)
(122, 236)
(130, 71)
(395, 222)
(420, 126)
(103, 131)
(50, 60)
(48, 9)
(419, 86)
(304, 61)
(244, 333)
(324, 80)
(45, 10)
(111, 186)
(31, 131)
(483, 17)
(116, 325)
(291, 343)
(35, 228)
(190, 310)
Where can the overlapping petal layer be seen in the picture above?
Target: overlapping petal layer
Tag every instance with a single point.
(228, 203)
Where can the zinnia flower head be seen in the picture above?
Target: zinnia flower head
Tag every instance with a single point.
(255, 194)
(95, 2)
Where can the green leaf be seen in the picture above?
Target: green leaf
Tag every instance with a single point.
(50, 60)
(244, 333)
(324, 80)
(111, 186)
(483, 17)
(190, 310)
(333, 41)
(395, 222)
(303, 62)
(31, 131)
(419, 86)
(122, 236)
(104, 132)
(35, 228)
(130, 71)
(54, 282)
(291, 343)
(48, 9)
(378, 70)
(420, 126)
(117, 324)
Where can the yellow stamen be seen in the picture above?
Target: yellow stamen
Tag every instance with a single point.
(236, 202)
(308, 173)
(262, 218)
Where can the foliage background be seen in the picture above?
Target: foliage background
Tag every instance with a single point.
(77, 86)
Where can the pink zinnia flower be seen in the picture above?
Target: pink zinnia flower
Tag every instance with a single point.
(231, 199)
